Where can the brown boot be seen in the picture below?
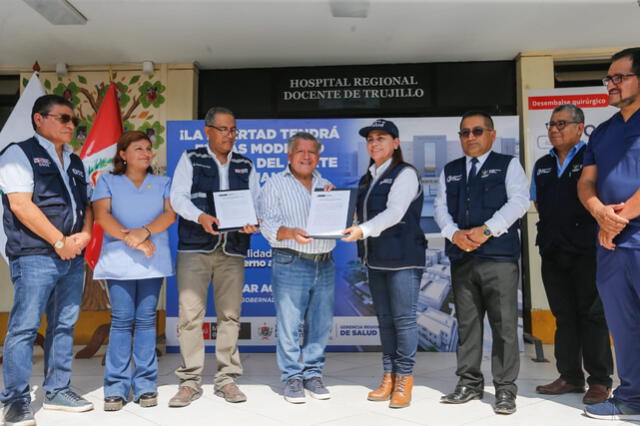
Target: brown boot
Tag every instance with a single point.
(402, 392)
(383, 393)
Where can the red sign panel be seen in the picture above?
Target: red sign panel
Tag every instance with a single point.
(596, 100)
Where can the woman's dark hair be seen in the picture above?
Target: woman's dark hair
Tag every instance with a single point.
(396, 158)
(127, 138)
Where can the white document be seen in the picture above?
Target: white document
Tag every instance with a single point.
(234, 209)
(328, 213)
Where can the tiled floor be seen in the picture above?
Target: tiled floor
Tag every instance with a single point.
(349, 377)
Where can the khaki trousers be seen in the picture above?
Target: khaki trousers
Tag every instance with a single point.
(194, 272)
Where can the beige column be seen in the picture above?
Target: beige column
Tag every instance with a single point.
(533, 72)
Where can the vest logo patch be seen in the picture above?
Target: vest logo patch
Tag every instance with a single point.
(201, 165)
(576, 168)
(454, 178)
(42, 162)
(543, 171)
(387, 181)
(242, 171)
(488, 172)
(78, 173)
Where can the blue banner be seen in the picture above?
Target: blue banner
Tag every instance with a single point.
(428, 143)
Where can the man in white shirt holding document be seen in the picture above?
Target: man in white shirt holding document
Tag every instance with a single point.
(204, 254)
(302, 272)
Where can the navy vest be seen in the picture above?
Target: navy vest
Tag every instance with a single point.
(50, 195)
(564, 222)
(206, 181)
(471, 204)
(400, 247)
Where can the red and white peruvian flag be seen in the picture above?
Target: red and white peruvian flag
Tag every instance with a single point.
(97, 155)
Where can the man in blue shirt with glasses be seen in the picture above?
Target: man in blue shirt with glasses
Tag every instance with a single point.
(609, 189)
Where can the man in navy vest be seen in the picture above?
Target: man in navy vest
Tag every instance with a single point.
(204, 254)
(566, 239)
(608, 188)
(480, 200)
(48, 224)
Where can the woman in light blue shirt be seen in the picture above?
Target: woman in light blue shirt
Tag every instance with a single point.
(132, 206)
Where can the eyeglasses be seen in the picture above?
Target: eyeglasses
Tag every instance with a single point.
(616, 78)
(476, 131)
(63, 118)
(224, 131)
(560, 124)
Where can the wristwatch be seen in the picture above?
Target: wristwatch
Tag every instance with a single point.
(486, 231)
(59, 244)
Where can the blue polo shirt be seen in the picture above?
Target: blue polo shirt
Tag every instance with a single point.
(614, 147)
(133, 208)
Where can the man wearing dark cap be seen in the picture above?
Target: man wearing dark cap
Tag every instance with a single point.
(566, 239)
(481, 198)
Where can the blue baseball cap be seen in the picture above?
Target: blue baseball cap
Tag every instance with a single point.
(380, 124)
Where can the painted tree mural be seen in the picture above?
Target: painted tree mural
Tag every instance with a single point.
(139, 103)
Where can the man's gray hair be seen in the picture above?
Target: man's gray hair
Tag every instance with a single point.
(211, 114)
(576, 112)
(306, 136)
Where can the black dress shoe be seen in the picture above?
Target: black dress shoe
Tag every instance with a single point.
(113, 403)
(149, 399)
(505, 402)
(461, 395)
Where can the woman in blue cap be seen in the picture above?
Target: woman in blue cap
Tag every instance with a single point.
(392, 246)
(132, 206)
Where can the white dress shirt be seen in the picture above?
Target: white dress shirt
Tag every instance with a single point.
(183, 180)
(285, 201)
(16, 172)
(404, 190)
(517, 187)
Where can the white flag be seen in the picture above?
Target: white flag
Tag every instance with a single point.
(18, 128)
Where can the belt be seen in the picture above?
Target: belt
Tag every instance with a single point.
(320, 257)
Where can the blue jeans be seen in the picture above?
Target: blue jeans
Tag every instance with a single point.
(617, 280)
(302, 291)
(41, 283)
(133, 314)
(395, 299)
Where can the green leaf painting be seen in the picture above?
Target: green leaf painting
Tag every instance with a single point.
(123, 97)
(69, 92)
(154, 132)
(127, 125)
(151, 94)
